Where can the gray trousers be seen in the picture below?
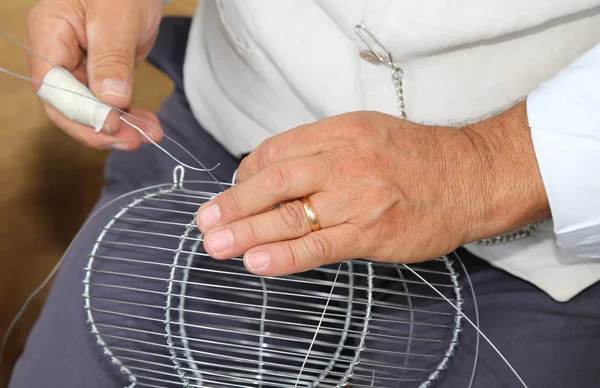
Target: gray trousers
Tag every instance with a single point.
(551, 344)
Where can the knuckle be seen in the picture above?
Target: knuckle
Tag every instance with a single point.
(232, 202)
(261, 155)
(253, 230)
(277, 182)
(291, 252)
(293, 218)
(319, 246)
(267, 154)
(108, 60)
(272, 153)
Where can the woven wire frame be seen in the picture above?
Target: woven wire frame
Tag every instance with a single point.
(167, 315)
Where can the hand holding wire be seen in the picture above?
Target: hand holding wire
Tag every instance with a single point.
(99, 42)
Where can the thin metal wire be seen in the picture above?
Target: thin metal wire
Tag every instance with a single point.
(318, 326)
(474, 326)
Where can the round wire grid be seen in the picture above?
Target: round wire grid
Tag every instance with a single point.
(167, 315)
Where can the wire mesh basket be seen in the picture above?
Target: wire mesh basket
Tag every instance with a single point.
(167, 315)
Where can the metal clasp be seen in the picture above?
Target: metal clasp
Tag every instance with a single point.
(371, 41)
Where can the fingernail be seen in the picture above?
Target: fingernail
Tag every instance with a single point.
(209, 216)
(114, 87)
(257, 260)
(220, 240)
(119, 147)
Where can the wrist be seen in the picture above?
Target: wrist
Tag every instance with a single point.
(512, 190)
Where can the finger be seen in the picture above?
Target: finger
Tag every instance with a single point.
(286, 222)
(313, 250)
(127, 139)
(280, 182)
(145, 121)
(54, 38)
(297, 142)
(148, 127)
(112, 37)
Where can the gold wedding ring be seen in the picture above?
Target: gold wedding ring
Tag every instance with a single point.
(313, 220)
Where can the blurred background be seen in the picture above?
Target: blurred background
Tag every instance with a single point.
(48, 181)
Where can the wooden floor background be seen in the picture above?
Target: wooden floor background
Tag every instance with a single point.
(48, 182)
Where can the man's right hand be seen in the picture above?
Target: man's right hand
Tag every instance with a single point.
(100, 42)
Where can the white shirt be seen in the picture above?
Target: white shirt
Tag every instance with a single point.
(257, 68)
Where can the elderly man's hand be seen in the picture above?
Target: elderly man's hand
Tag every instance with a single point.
(383, 188)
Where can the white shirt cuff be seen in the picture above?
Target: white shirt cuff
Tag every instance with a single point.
(564, 116)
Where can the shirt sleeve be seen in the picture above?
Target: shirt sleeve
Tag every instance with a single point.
(564, 116)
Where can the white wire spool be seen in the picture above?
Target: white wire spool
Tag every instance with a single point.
(167, 315)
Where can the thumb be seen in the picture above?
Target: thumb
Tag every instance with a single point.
(113, 32)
